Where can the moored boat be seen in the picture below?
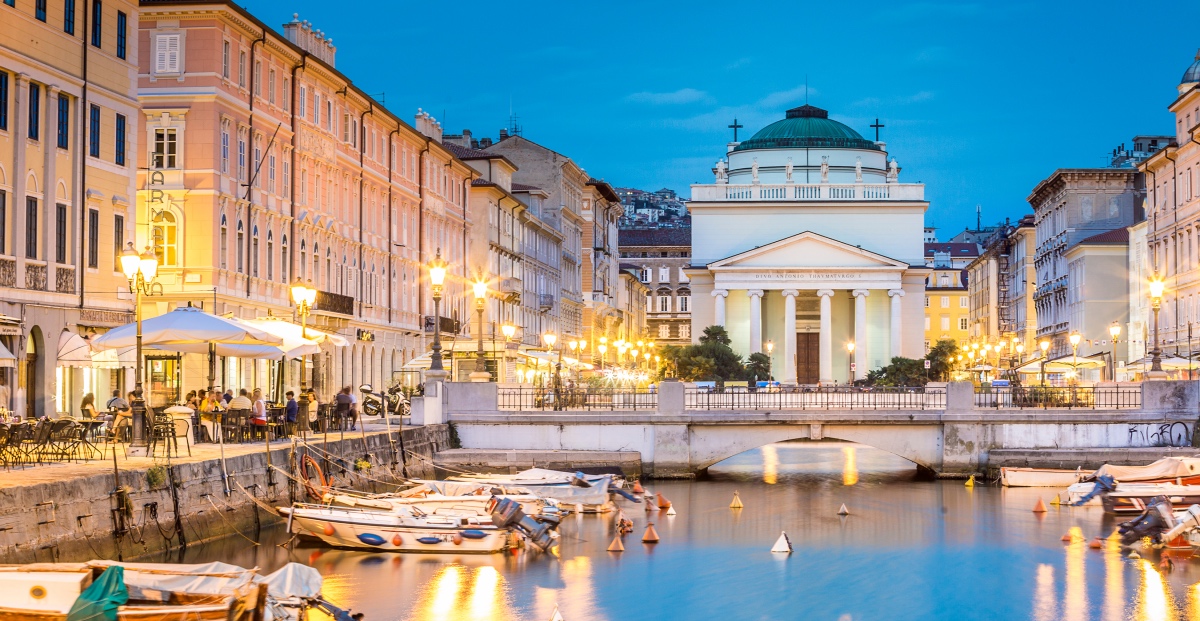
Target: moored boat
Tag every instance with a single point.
(590, 492)
(1039, 477)
(1134, 497)
(395, 531)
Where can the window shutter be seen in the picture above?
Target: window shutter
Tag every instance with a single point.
(166, 53)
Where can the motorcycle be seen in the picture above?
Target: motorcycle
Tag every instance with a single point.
(372, 403)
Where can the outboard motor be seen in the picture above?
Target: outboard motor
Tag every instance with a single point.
(507, 513)
(1189, 521)
(1156, 519)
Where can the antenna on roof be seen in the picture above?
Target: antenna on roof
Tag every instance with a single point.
(978, 217)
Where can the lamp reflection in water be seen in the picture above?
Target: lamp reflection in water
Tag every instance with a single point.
(486, 595)
(770, 464)
(849, 465)
(458, 593)
(445, 592)
(577, 598)
(1045, 604)
(1154, 601)
(1114, 582)
(1075, 600)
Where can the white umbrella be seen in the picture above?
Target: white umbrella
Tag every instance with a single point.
(185, 325)
(73, 350)
(1071, 363)
(1169, 363)
(7, 359)
(228, 350)
(288, 330)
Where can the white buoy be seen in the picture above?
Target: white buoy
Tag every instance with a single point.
(843, 510)
(670, 510)
(557, 616)
(783, 545)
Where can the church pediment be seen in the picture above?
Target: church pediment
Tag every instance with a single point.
(809, 250)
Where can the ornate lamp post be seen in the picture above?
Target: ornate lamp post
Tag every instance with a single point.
(140, 270)
(437, 276)
(480, 374)
(1074, 338)
(304, 296)
(1115, 332)
(1044, 345)
(1156, 294)
(550, 338)
(850, 361)
(770, 359)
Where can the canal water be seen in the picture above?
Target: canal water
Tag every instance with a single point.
(910, 549)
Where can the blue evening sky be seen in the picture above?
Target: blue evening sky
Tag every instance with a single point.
(981, 101)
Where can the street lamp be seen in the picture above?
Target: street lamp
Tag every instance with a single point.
(304, 296)
(1156, 294)
(850, 360)
(1115, 332)
(1044, 345)
(479, 288)
(1074, 339)
(550, 338)
(437, 275)
(140, 270)
(770, 358)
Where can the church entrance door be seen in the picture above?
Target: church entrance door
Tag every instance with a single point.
(808, 357)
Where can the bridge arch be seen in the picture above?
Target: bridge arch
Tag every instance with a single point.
(920, 444)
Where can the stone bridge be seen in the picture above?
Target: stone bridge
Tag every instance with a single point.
(679, 431)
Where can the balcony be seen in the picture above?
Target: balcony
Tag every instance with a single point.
(809, 192)
(545, 301)
(448, 325)
(334, 303)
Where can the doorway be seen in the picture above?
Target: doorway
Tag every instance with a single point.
(808, 357)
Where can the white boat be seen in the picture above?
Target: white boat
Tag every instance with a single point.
(396, 530)
(438, 498)
(158, 591)
(565, 488)
(1040, 477)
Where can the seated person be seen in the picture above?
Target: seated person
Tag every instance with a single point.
(240, 402)
(122, 413)
(87, 407)
(258, 409)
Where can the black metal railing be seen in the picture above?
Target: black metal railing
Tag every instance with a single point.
(328, 302)
(1068, 397)
(533, 398)
(843, 398)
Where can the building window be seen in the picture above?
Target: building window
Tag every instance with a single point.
(283, 261)
(3, 222)
(644, 274)
(962, 323)
(664, 331)
(64, 120)
(122, 34)
(225, 150)
(165, 148)
(685, 331)
(118, 240)
(926, 301)
(685, 302)
(963, 302)
(316, 109)
(241, 161)
(93, 243)
(287, 95)
(270, 255)
(94, 131)
(119, 158)
(166, 53)
(287, 178)
(60, 233)
(664, 303)
(242, 69)
(926, 323)
(69, 17)
(258, 78)
(254, 253)
(96, 9)
(31, 227)
(271, 86)
(664, 274)
(257, 166)
(224, 249)
(225, 60)
(241, 249)
(945, 301)
(39, 10)
(35, 103)
(164, 235)
(945, 323)
(303, 258)
(3, 100)
(271, 172)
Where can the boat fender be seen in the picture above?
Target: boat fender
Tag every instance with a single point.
(371, 539)
(329, 530)
(396, 540)
(473, 534)
(428, 540)
(457, 539)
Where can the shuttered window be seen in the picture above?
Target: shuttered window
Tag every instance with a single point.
(166, 53)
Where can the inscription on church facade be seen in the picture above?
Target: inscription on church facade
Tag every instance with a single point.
(805, 275)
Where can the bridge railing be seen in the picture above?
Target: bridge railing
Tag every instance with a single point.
(877, 398)
(1059, 397)
(527, 398)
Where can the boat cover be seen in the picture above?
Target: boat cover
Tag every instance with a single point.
(1165, 468)
(102, 599)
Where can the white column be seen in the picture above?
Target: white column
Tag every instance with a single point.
(897, 296)
(719, 296)
(755, 320)
(826, 339)
(789, 336)
(860, 333)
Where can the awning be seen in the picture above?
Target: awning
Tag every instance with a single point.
(7, 359)
(73, 350)
(1168, 363)
(115, 358)
(294, 332)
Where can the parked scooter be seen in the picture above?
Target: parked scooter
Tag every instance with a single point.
(373, 403)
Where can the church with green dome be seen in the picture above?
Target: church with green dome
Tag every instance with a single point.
(807, 247)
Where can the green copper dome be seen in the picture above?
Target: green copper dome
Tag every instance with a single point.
(806, 126)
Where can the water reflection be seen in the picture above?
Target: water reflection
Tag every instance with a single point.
(910, 550)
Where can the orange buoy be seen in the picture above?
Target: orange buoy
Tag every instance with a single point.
(616, 545)
(1040, 507)
(663, 503)
(650, 536)
(1096, 544)
(637, 488)
(649, 505)
(396, 540)
(329, 530)
(457, 539)
(1066, 537)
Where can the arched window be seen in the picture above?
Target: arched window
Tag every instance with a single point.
(284, 264)
(328, 263)
(254, 252)
(316, 268)
(241, 248)
(303, 263)
(164, 232)
(270, 255)
(224, 250)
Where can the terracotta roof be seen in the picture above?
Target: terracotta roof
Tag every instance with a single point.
(655, 237)
(483, 183)
(955, 250)
(521, 187)
(464, 153)
(1115, 236)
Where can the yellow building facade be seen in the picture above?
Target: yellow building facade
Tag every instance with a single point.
(947, 307)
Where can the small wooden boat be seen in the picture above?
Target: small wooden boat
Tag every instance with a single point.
(1039, 477)
(154, 592)
(396, 530)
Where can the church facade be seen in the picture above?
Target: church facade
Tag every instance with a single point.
(807, 246)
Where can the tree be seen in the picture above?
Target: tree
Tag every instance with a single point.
(912, 372)
(941, 359)
(710, 360)
(715, 334)
(758, 367)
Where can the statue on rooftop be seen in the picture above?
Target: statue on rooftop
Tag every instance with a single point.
(824, 169)
(754, 170)
(788, 170)
(722, 175)
(893, 171)
(858, 170)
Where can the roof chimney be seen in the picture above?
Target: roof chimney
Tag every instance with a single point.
(503, 134)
